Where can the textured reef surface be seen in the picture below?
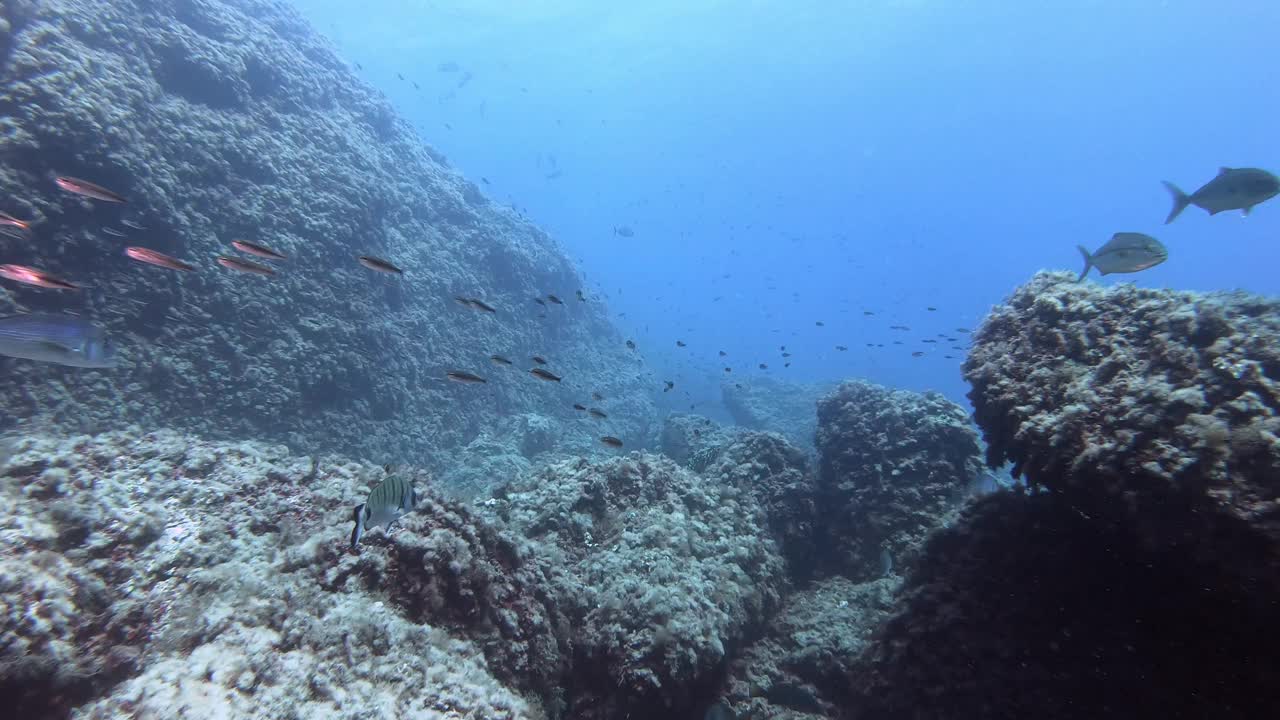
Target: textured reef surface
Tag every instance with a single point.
(162, 575)
(764, 403)
(227, 120)
(1141, 574)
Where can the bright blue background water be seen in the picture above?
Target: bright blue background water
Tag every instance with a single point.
(806, 161)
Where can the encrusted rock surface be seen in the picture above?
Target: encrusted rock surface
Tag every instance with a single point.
(221, 120)
(153, 574)
(1028, 607)
(893, 464)
(1159, 408)
(763, 403)
(667, 573)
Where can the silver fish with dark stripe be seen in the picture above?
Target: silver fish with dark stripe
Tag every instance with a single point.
(391, 500)
(61, 339)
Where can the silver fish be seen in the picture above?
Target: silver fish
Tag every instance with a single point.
(55, 338)
(1232, 189)
(1125, 252)
(391, 500)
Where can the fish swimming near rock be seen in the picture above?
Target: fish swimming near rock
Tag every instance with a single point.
(245, 266)
(499, 360)
(555, 299)
(611, 441)
(256, 250)
(32, 276)
(113, 232)
(474, 303)
(159, 259)
(88, 189)
(539, 359)
(380, 265)
(631, 345)
(544, 375)
(464, 377)
(391, 500)
(1232, 189)
(597, 413)
(1125, 252)
(55, 338)
(579, 406)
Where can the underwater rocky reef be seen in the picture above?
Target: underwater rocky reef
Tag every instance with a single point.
(235, 120)
(832, 555)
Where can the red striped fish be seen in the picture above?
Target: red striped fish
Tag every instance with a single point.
(7, 220)
(88, 189)
(159, 259)
(32, 276)
(245, 266)
(261, 251)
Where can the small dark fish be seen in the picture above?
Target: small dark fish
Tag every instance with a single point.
(611, 441)
(484, 180)
(782, 347)
(723, 353)
(499, 360)
(1125, 252)
(399, 76)
(415, 86)
(581, 297)
(462, 376)
(728, 370)
(867, 312)
(579, 406)
(680, 343)
(539, 359)
(159, 259)
(786, 354)
(32, 276)
(929, 340)
(261, 251)
(132, 224)
(540, 301)
(596, 413)
(899, 327)
(963, 330)
(917, 353)
(245, 266)
(380, 265)
(88, 189)
(818, 323)
(948, 357)
(763, 366)
(841, 348)
(113, 232)
(669, 385)
(544, 375)
(631, 345)
(931, 308)
(555, 299)
(1232, 189)
(623, 231)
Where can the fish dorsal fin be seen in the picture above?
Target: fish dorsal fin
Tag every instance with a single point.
(1224, 170)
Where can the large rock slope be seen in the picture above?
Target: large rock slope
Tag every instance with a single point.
(223, 120)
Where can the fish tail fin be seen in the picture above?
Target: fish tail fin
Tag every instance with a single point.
(357, 532)
(1088, 262)
(1180, 201)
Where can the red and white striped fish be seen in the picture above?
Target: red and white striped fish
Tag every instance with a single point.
(32, 276)
(261, 251)
(159, 259)
(245, 266)
(88, 189)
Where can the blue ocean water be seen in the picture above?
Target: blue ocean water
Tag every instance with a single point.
(784, 164)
